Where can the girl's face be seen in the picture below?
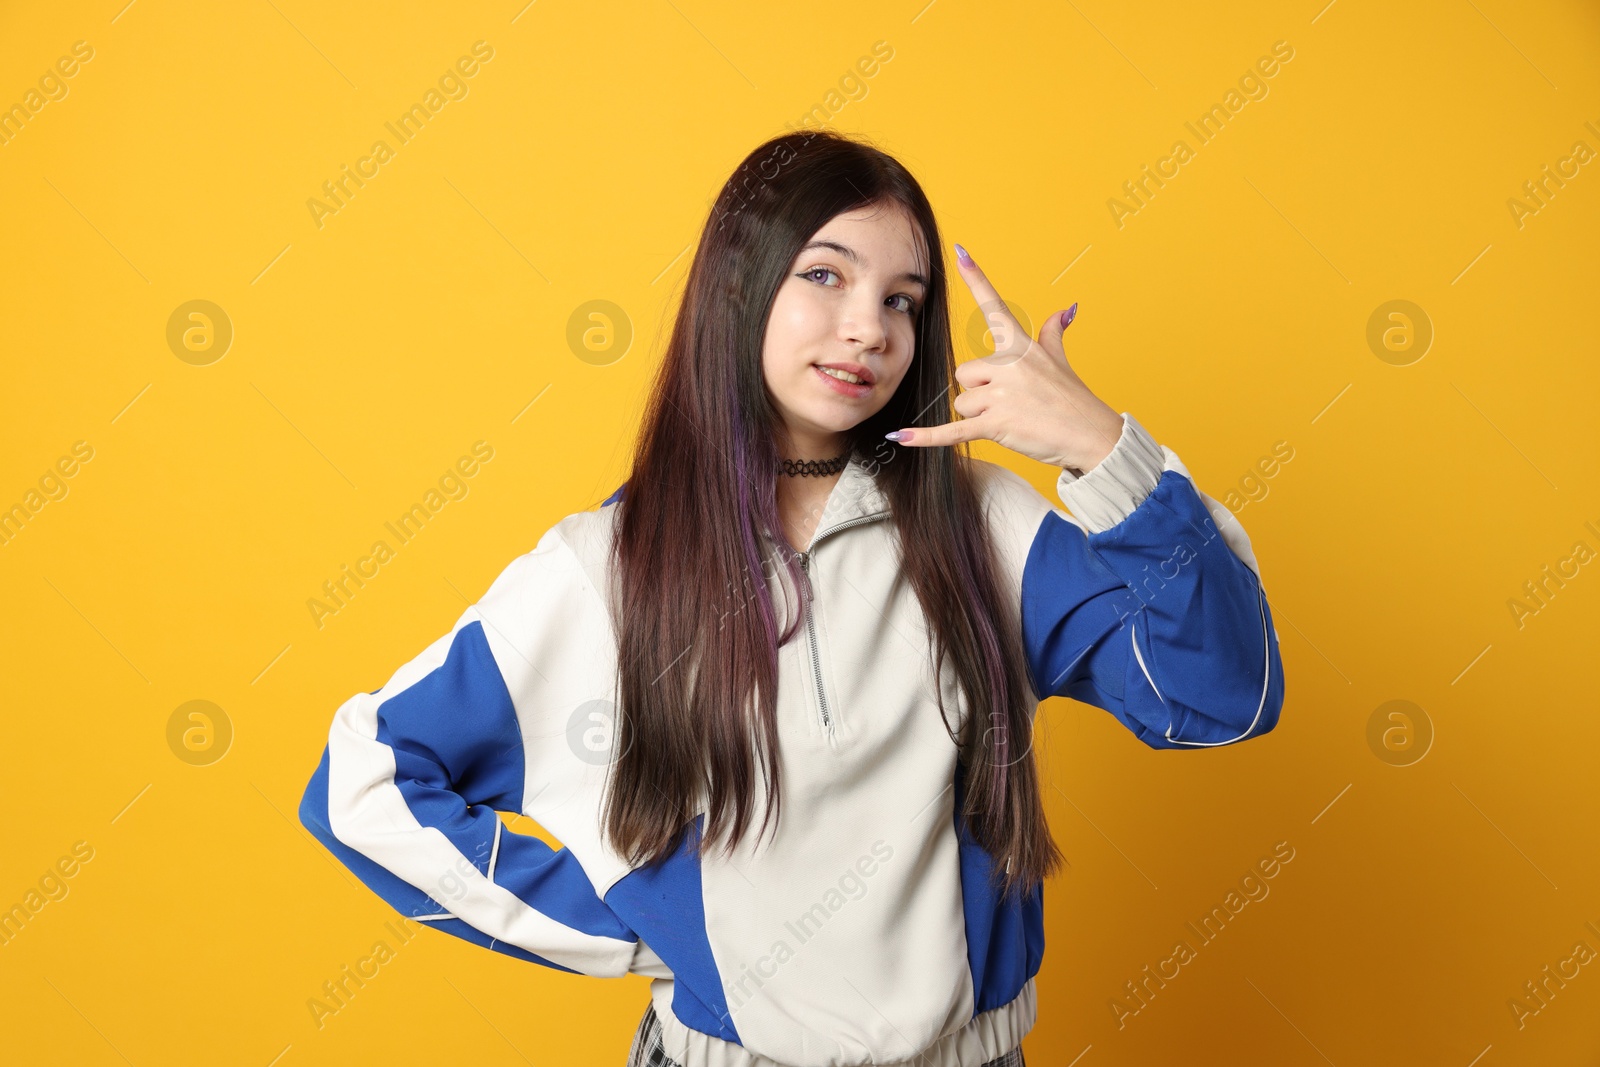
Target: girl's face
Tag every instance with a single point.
(850, 303)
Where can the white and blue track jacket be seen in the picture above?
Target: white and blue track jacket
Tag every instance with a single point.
(867, 929)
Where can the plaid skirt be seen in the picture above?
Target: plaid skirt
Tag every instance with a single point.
(647, 1051)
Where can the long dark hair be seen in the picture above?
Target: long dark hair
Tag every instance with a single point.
(702, 489)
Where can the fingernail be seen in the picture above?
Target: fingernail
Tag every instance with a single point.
(1068, 315)
(901, 435)
(961, 254)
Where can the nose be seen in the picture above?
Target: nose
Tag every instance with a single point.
(863, 324)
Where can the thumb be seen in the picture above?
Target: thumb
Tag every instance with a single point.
(1050, 333)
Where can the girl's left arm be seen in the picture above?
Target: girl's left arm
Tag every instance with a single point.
(1149, 603)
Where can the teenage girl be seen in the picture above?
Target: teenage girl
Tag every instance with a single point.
(775, 695)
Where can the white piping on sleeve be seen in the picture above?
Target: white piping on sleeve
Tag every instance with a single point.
(1134, 636)
(1266, 678)
(368, 812)
(494, 850)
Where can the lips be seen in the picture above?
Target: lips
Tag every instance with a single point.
(857, 369)
(854, 390)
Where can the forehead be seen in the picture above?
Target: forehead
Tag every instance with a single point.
(882, 237)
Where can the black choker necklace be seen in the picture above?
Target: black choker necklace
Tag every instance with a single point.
(809, 467)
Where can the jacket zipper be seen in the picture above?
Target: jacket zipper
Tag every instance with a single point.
(811, 629)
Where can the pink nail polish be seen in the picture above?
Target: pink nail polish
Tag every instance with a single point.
(961, 254)
(1068, 315)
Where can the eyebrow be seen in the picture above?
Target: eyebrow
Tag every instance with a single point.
(850, 254)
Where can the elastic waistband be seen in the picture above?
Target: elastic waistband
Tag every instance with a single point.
(986, 1037)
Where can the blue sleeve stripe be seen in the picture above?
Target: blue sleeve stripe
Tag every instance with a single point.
(1266, 681)
(455, 734)
(666, 902)
(1070, 602)
(1192, 606)
(404, 897)
(1005, 935)
(413, 782)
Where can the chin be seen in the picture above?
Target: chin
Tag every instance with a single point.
(841, 417)
(836, 425)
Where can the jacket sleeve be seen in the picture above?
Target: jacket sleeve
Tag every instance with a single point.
(413, 774)
(1149, 603)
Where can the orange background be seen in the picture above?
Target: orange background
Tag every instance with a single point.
(1230, 313)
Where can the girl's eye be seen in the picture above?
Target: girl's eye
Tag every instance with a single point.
(818, 270)
(909, 307)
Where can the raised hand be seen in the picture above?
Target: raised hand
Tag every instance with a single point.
(1024, 395)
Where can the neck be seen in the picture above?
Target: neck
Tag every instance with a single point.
(811, 446)
(801, 502)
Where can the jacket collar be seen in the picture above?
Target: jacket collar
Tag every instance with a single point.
(855, 496)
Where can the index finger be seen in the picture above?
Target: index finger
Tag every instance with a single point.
(1009, 337)
(945, 433)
